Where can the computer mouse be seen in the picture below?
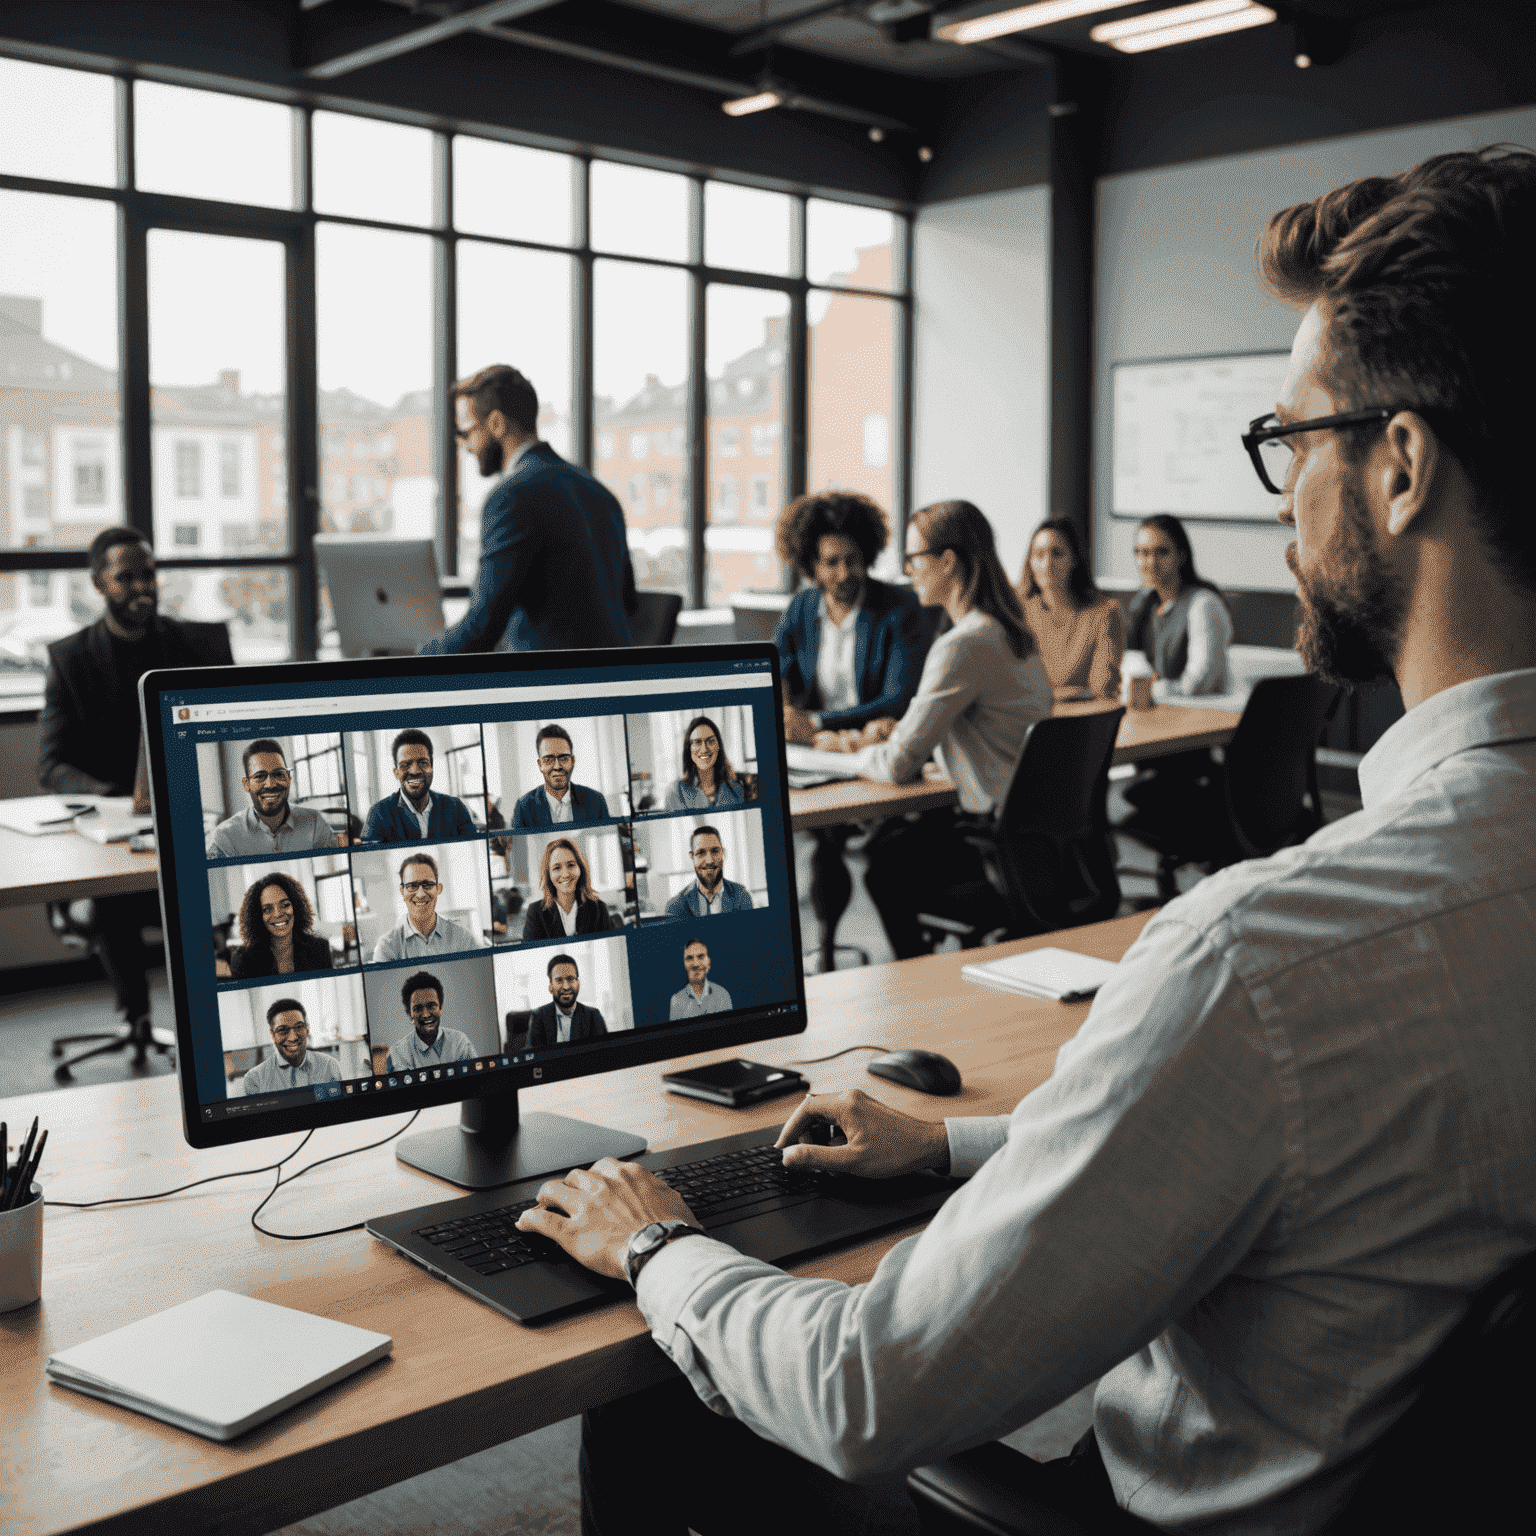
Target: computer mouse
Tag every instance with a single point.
(926, 1071)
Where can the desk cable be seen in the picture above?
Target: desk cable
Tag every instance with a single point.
(811, 1061)
(240, 1173)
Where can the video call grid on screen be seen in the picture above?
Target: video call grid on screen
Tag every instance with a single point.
(342, 891)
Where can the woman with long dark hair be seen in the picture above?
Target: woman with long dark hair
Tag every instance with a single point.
(569, 905)
(708, 780)
(275, 923)
(1179, 622)
(1078, 630)
(983, 686)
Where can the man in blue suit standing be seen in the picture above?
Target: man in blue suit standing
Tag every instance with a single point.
(555, 572)
(416, 814)
(711, 893)
(559, 801)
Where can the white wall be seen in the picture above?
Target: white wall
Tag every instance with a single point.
(1176, 277)
(981, 281)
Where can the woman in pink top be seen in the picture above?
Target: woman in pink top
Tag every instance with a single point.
(1079, 632)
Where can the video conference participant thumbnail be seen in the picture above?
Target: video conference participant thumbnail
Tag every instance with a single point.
(282, 918)
(422, 904)
(553, 773)
(296, 1033)
(699, 867)
(688, 761)
(393, 773)
(576, 883)
(564, 995)
(699, 996)
(436, 1017)
(254, 803)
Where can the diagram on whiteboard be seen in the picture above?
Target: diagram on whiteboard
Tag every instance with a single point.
(1177, 430)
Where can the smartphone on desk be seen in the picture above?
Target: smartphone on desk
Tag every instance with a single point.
(735, 1083)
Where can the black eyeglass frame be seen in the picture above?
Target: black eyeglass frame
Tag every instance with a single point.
(1258, 434)
(935, 550)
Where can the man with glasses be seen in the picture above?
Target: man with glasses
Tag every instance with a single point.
(269, 825)
(560, 800)
(423, 930)
(292, 1064)
(1293, 1136)
(555, 572)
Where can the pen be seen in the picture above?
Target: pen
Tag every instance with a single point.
(21, 1162)
(25, 1181)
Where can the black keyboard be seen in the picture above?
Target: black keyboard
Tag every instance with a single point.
(718, 1190)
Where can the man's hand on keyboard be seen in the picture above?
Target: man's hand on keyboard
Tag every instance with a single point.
(593, 1212)
(880, 1142)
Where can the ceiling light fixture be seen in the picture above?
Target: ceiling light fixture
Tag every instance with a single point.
(981, 29)
(761, 102)
(1182, 24)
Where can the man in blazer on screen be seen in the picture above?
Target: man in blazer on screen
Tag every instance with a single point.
(564, 1020)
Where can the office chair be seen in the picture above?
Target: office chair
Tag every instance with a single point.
(1049, 857)
(654, 621)
(515, 1032)
(1454, 1461)
(74, 922)
(1261, 798)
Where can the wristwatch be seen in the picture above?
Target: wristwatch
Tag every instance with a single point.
(647, 1240)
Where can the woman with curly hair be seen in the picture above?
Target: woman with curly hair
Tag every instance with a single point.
(569, 906)
(275, 938)
(709, 781)
(851, 648)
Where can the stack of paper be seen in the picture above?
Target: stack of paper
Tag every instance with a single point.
(218, 1365)
(37, 815)
(825, 766)
(1058, 974)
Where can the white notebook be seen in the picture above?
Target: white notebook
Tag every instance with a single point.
(1061, 975)
(218, 1365)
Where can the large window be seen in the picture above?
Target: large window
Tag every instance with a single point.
(292, 288)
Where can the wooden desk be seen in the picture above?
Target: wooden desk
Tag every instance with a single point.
(66, 866)
(462, 1378)
(830, 809)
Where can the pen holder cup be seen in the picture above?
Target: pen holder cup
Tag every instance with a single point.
(1138, 692)
(21, 1252)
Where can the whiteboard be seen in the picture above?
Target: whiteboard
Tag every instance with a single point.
(1178, 425)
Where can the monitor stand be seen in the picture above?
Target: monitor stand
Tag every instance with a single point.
(493, 1145)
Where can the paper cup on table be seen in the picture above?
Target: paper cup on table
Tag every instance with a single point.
(21, 1252)
(1138, 691)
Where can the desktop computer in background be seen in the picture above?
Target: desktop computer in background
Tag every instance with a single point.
(362, 872)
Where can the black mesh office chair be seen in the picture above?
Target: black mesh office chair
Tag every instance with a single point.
(654, 621)
(1049, 857)
(1261, 798)
(1455, 1461)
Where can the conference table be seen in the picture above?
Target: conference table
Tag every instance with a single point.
(832, 811)
(461, 1378)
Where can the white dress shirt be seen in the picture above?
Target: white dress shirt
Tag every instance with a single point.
(836, 681)
(975, 703)
(560, 810)
(1208, 628)
(1289, 1143)
(563, 1024)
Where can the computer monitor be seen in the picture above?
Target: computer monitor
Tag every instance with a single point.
(370, 907)
(385, 595)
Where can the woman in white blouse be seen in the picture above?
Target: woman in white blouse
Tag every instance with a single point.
(569, 905)
(983, 686)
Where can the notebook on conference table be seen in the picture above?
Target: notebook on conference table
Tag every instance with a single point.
(466, 1241)
(1059, 975)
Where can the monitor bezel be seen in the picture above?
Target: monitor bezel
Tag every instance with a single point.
(668, 1045)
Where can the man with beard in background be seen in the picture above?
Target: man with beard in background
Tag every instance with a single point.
(88, 737)
(555, 572)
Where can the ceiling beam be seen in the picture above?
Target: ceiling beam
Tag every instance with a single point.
(476, 18)
(760, 37)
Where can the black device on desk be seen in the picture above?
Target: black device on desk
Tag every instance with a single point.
(416, 1014)
(735, 1083)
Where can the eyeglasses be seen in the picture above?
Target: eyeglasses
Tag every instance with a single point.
(917, 554)
(413, 887)
(277, 776)
(556, 760)
(705, 741)
(284, 1031)
(1273, 456)
(462, 432)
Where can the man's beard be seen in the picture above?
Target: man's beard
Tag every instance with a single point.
(1352, 614)
(490, 458)
(120, 609)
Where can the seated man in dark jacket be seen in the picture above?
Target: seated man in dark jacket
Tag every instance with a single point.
(851, 648)
(563, 1020)
(89, 734)
(555, 572)
(418, 813)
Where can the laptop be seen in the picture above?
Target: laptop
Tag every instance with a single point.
(384, 593)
